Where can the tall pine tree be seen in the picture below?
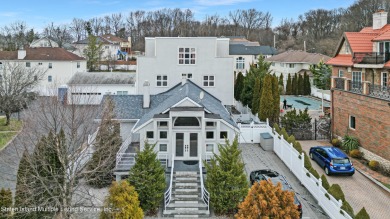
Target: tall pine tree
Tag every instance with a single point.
(226, 179)
(148, 178)
(306, 82)
(267, 100)
(289, 85)
(281, 84)
(256, 97)
(238, 86)
(300, 85)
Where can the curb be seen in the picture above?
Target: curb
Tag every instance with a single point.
(373, 180)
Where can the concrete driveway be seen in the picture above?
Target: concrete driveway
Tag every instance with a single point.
(359, 190)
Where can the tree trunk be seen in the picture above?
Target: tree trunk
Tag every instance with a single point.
(8, 117)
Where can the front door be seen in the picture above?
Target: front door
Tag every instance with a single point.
(186, 146)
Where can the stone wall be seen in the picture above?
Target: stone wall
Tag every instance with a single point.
(368, 155)
(372, 117)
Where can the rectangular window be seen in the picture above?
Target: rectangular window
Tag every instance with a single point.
(35, 78)
(210, 147)
(209, 135)
(186, 75)
(341, 73)
(28, 64)
(281, 64)
(149, 134)
(384, 79)
(78, 64)
(352, 122)
(223, 134)
(49, 78)
(121, 93)
(163, 135)
(210, 124)
(208, 81)
(163, 147)
(291, 65)
(106, 47)
(39, 63)
(163, 124)
(187, 56)
(162, 80)
(240, 63)
(356, 79)
(1, 65)
(50, 65)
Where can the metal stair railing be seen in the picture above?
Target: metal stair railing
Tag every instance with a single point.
(122, 150)
(168, 193)
(204, 192)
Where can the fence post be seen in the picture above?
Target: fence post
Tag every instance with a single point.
(281, 147)
(319, 190)
(315, 129)
(291, 155)
(302, 167)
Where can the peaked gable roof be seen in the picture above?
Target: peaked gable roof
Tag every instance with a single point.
(42, 53)
(298, 56)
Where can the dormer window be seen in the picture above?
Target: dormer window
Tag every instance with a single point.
(384, 47)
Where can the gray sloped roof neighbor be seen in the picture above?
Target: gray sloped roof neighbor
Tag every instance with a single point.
(131, 106)
(241, 49)
(102, 78)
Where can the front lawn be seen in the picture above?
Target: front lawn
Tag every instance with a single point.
(14, 126)
(5, 137)
(387, 185)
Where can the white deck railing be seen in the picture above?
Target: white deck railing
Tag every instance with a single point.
(168, 193)
(204, 192)
(121, 152)
(163, 158)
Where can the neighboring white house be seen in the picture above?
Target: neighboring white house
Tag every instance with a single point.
(43, 42)
(294, 61)
(59, 64)
(88, 88)
(246, 53)
(109, 48)
(204, 60)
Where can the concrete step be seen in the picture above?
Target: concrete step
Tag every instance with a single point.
(185, 184)
(186, 211)
(185, 197)
(175, 205)
(185, 190)
(185, 173)
(189, 178)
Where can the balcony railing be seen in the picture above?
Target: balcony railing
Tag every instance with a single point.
(339, 83)
(382, 92)
(356, 87)
(370, 57)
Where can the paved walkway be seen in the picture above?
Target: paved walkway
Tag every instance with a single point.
(358, 189)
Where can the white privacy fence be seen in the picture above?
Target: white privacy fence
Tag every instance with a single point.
(295, 162)
(320, 93)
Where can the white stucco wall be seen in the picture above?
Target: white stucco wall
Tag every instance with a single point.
(161, 58)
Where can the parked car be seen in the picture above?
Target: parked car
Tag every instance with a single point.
(275, 177)
(332, 160)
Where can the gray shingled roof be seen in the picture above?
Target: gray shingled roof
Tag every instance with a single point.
(298, 56)
(241, 49)
(103, 78)
(131, 106)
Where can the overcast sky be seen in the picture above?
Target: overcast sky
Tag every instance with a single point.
(39, 13)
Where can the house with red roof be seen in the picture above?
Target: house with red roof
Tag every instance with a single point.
(360, 87)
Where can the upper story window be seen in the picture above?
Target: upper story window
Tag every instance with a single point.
(39, 63)
(49, 78)
(356, 79)
(78, 64)
(162, 80)
(240, 63)
(187, 56)
(186, 121)
(28, 64)
(106, 47)
(1, 65)
(384, 79)
(384, 47)
(186, 75)
(291, 65)
(281, 64)
(122, 93)
(208, 81)
(341, 73)
(50, 65)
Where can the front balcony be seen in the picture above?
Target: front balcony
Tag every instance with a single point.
(370, 58)
(363, 88)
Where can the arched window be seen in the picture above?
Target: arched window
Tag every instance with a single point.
(186, 121)
(240, 63)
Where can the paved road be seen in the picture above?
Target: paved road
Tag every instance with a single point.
(358, 189)
(256, 158)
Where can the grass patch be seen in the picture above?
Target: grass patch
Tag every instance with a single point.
(15, 125)
(387, 185)
(5, 137)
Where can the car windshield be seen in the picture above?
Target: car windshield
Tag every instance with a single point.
(341, 161)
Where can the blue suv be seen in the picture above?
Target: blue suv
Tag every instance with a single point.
(332, 160)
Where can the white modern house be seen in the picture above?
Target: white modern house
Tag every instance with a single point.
(203, 60)
(88, 88)
(109, 49)
(59, 65)
(43, 42)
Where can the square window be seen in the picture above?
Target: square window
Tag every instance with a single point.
(163, 135)
(209, 135)
(149, 134)
(223, 134)
(210, 124)
(208, 80)
(187, 56)
(162, 80)
(210, 147)
(163, 147)
(352, 122)
(28, 64)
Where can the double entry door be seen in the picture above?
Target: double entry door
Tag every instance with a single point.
(186, 146)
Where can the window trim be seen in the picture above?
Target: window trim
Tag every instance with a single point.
(208, 80)
(220, 133)
(162, 80)
(159, 147)
(49, 78)
(350, 122)
(187, 75)
(240, 62)
(28, 64)
(213, 146)
(341, 73)
(50, 65)
(190, 53)
(159, 135)
(387, 79)
(207, 138)
(146, 134)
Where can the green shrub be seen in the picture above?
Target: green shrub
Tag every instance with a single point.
(347, 208)
(373, 164)
(276, 127)
(350, 143)
(291, 139)
(314, 172)
(298, 146)
(336, 142)
(325, 182)
(355, 153)
(284, 133)
(307, 161)
(336, 192)
(362, 214)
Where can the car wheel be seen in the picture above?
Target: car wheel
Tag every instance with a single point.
(327, 171)
(311, 156)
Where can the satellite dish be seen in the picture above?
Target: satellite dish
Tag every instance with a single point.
(201, 95)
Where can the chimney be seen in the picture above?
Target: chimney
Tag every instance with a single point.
(379, 19)
(146, 103)
(183, 80)
(21, 53)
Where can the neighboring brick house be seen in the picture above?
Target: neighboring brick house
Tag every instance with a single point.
(361, 88)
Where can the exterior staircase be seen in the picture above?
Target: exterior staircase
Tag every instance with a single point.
(186, 199)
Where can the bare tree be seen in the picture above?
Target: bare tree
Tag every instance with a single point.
(16, 81)
(77, 29)
(59, 34)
